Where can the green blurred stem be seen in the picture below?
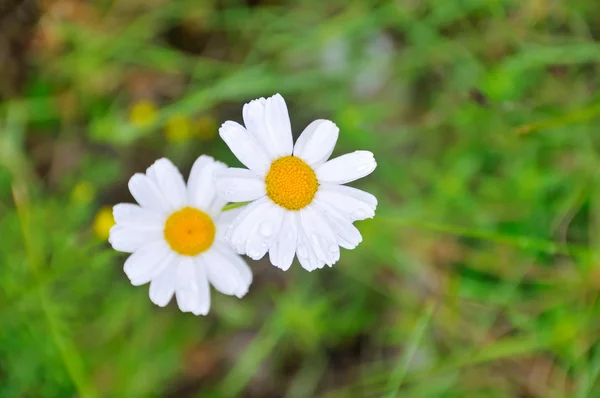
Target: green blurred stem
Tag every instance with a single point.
(22, 177)
(231, 206)
(521, 242)
(249, 361)
(68, 353)
(577, 116)
(399, 373)
(306, 381)
(589, 378)
(509, 347)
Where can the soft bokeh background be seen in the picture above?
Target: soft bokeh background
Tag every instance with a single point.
(478, 277)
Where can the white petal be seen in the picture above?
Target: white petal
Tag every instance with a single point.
(277, 121)
(217, 204)
(170, 182)
(283, 248)
(198, 166)
(346, 234)
(305, 252)
(254, 119)
(265, 232)
(245, 147)
(237, 261)
(358, 194)
(155, 269)
(192, 290)
(147, 194)
(162, 286)
(201, 189)
(316, 142)
(129, 239)
(245, 225)
(319, 235)
(227, 276)
(352, 203)
(239, 185)
(204, 287)
(224, 220)
(346, 168)
(148, 262)
(130, 215)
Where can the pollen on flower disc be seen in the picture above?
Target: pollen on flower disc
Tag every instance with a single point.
(291, 183)
(189, 231)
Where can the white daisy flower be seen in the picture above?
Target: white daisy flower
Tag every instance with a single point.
(176, 237)
(299, 205)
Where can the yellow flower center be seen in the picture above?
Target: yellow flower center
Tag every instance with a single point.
(189, 231)
(291, 183)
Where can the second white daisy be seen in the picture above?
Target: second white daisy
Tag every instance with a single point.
(175, 237)
(299, 205)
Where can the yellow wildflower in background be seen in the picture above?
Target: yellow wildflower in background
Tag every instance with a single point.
(142, 113)
(103, 222)
(178, 128)
(205, 128)
(83, 193)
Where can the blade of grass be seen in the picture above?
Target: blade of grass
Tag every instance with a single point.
(70, 356)
(68, 353)
(588, 379)
(248, 362)
(376, 383)
(306, 380)
(577, 116)
(521, 242)
(398, 375)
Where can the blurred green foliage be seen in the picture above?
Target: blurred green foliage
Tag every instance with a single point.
(477, 278)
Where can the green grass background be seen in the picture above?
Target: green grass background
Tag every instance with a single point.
(478, 277)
